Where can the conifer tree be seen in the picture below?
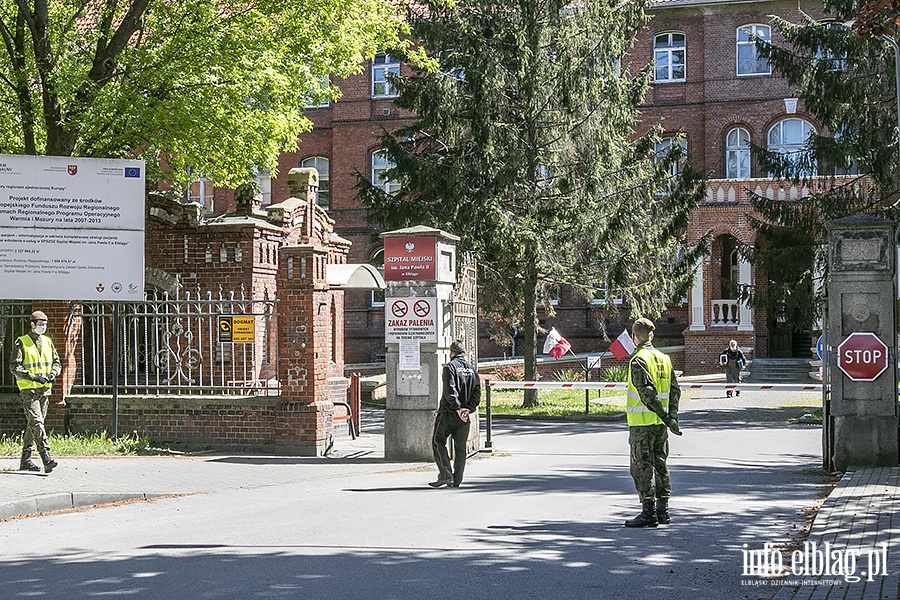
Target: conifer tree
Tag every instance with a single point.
(847, 82)
(524, 146)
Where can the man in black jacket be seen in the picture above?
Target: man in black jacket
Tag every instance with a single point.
(461, 395)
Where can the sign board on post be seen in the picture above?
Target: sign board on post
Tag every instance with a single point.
(410, 258)
(410, 319)
(239, 329)
(71, 228)
(862, 356)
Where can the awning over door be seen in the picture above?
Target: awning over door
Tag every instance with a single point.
(354, 277)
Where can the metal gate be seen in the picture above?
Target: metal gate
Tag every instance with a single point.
(465, 307)
(170, 345)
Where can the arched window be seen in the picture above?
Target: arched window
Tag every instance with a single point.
(669, 56)
(661, 149)
(789, 137)
(381, 164)
(748, 60)
(737, 154)
(320, 164)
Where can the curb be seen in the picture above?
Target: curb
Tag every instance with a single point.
(68, 500)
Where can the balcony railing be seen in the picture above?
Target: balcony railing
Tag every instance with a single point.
(725, 313)
(737, 191)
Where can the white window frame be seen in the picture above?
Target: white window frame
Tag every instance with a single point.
(264, 180)
(739, 151)
(199, 189)
(383, 64)
(662, 146)
(380, 163)
(317, 163)
(793, 146)
(749, 45)
(665, 48)
(376, 297)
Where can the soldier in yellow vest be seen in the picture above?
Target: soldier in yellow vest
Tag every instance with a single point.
(651, 410)
(35, 363)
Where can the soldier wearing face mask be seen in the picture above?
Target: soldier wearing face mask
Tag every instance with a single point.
(35, 364)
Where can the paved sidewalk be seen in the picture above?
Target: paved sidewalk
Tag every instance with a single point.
(863, 514)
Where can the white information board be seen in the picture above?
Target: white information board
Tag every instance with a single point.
(410, 319)
(71, 228)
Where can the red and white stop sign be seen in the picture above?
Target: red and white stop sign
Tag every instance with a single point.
(862, 356)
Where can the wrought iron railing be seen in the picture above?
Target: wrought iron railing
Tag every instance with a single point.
(171, 345)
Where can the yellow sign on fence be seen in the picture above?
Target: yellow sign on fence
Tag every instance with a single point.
(239, 329)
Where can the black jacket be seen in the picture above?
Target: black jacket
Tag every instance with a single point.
(462, 388)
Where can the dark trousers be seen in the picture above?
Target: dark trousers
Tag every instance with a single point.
(448, 424)
(34, 403)
(649, 451)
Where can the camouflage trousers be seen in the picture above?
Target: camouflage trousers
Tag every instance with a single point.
(34, 403)
(649, 451)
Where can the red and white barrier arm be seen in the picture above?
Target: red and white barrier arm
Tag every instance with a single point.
(606, 385)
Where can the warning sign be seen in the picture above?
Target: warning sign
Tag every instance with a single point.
(237, 329)
(410, 319)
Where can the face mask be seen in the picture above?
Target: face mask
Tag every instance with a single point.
(40, 329)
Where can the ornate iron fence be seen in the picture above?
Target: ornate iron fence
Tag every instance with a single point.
(465, 306)
(173, 345)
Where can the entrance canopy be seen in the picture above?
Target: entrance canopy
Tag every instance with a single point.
(354, 277)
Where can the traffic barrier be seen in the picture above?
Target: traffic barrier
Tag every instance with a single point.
(621, 385)
(490, 384)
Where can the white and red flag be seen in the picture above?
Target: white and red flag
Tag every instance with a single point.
(623, 345)
(556, 345)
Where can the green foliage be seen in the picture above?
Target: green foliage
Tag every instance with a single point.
(218, 85)
(615, 373)
(524, 146)
(568, 375)
(848, 85)
(87, 444)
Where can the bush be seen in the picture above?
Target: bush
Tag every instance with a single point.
(616, 373)
(568, 375)
(509, 373)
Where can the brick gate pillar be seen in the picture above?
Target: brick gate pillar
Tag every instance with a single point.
(305, 346)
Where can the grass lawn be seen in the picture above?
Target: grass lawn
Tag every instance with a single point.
(96, 444)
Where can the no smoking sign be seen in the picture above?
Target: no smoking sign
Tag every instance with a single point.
(410, 319)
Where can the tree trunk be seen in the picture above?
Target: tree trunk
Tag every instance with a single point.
(529, 345)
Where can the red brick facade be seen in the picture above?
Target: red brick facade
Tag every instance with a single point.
(710, 101)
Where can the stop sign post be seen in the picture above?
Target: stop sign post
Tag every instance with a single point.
(862, 356)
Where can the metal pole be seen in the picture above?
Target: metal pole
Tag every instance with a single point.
(487, 414)
(115, 372)
(587, 372)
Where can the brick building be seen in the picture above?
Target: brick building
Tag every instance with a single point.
(708, 83)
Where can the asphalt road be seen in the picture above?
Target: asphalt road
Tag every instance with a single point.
(539, 518)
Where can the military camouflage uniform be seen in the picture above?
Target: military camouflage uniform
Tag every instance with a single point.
(650, 443)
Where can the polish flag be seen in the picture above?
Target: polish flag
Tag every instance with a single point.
(623, 346)
(556, 345)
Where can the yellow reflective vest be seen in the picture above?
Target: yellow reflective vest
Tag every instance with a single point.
(660, 368)
(36, 362)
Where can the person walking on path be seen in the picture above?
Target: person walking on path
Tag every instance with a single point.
(733, 360)
(651, 411)
(460, 396)
(35, 364)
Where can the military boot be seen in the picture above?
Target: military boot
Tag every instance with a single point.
(49, 463)
(26, 464)
(647, 518)
(662, 511)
